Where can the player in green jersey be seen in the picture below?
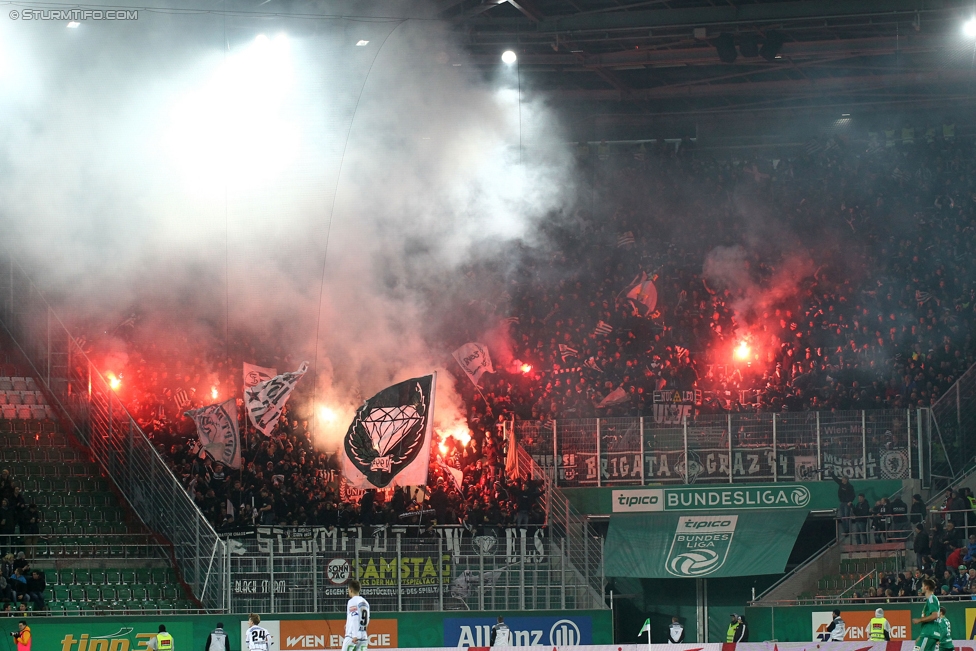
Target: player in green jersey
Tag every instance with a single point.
(931, 635)
(945, 629)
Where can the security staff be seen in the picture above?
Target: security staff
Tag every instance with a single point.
(218, 640)
(164, 641)
(730, 637)
(879, 629)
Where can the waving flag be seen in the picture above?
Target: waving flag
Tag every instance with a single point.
(266, 400)
(219, 432)
(603, 328)
(474, 359)
(565, 351)
(615, 397)
(388, 442)
(642, 293)
(254, 374)
(627, 239)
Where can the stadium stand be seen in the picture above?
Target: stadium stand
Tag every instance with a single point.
(60, 518)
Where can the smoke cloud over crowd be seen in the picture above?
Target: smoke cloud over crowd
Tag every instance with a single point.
(223, 177)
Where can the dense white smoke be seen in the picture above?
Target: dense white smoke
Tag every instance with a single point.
(183, 167)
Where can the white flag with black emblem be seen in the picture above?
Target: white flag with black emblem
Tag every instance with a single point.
(265, 400)
(388, 442)
(254, 374)
(474, 359)
(219, 432)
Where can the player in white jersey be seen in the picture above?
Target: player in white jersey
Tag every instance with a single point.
(257, 638)
(357, 619)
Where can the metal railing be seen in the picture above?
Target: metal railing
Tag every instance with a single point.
(581, 547)
(763, 447)
(99, 420)
(953, 420)
(307, 569)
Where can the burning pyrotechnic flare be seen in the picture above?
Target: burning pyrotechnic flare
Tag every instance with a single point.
(114, 381)
(526, 369)
(327, 414)
(213, 392)
(742, 351)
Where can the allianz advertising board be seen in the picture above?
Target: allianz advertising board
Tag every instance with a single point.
(463, 632)
(647, 500)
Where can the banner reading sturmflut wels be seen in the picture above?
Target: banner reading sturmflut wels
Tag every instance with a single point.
(254, 374)
(388, 442)
(265, 400)
(474, 359)
(218, 431)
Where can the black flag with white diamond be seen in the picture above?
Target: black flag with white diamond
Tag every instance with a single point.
(388, 442)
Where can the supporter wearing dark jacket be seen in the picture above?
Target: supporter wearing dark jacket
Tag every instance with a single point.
(920, 545)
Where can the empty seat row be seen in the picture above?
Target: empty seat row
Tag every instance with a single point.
(58, 500)
(142, 576)
(115, 593)
(62, 469)
(17, 384)
(22, 398)
(82, 515)
(39, 455)
(29, 427)
(32, 439)
(26, 412)
(133, 607)
(40, 484)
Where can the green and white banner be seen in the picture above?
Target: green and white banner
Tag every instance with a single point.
(715, 544)
(710, 498)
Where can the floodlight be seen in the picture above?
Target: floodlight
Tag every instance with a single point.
(969, 28)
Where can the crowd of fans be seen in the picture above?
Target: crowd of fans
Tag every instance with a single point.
(844, 267)
(845, 270)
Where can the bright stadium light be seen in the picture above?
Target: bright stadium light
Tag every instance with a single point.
(969, 28)
(362, 43)
(74, 24)
(232, 128)
(508, 57)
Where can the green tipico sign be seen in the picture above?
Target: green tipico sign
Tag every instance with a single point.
(819, 496)
(714, 544)
(711, 498)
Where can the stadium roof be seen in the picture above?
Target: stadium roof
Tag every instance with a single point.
(637, 62)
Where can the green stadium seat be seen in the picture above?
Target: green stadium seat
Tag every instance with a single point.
(153, 592)
(160, 576)
(61, 593)
(124, 594)
(98, 577)
(72, 609)
(109, 593)
(143, 576)
(169, 592)
(76, 593)
(112, 577)
(82, 576)
(92, 593)
(128, 577)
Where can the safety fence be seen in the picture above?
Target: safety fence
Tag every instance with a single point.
(100, 421)
(763, 447)
(952, 448)
(307, 569)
